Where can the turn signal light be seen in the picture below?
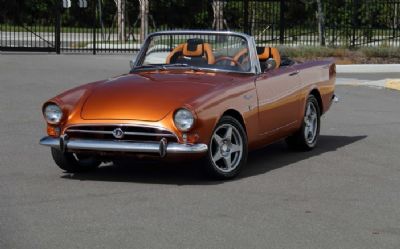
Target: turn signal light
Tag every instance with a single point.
(190, 138)
(53, 131)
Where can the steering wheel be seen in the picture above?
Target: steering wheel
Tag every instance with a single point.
(230, 60)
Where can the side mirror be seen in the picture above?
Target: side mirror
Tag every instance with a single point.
(132, 61)
(270, 64)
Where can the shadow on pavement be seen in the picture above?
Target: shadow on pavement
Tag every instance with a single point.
(278, 155)
(259, 162)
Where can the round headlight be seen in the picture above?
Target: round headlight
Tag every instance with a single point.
(52, 114)
(183, 119)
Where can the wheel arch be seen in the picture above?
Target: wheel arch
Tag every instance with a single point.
(236, 115)
(315, 92)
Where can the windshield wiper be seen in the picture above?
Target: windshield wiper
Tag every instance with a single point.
(181, 65)
(147, 67)
(165, 67)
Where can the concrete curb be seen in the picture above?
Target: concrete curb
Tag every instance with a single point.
(393, 84)
(369, 68)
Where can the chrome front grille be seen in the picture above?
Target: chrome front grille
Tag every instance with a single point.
(113, 132)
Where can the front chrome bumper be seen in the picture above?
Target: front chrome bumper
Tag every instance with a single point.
(162, 147)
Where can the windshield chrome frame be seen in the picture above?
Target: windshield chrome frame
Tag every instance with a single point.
(254, 63)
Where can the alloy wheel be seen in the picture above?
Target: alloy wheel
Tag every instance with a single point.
(311, 123)
(226, 148)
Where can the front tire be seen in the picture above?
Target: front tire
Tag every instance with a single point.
(74, 163)
(307, 137)
(227, 152)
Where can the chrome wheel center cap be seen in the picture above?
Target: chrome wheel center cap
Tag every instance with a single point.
(225, 149)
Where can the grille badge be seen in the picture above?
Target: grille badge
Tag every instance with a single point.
(118, 133)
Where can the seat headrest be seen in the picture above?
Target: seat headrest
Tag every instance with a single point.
(264, 53)
(261, 50)
(193, 47)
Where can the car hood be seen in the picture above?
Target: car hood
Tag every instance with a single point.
(147, 96)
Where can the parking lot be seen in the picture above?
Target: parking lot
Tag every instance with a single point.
(344, 194)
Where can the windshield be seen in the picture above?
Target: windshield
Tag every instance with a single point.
(227, 52)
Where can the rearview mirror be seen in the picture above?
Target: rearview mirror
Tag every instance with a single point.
(270, 64)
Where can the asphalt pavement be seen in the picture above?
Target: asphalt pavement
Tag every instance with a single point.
(343, 194)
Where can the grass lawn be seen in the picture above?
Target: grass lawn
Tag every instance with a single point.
(366, 55)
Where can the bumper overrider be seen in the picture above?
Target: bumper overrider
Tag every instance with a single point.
(335, 98)
(162, 147)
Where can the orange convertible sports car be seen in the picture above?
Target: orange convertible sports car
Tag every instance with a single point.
(192, 94)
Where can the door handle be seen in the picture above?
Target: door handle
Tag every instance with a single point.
(294, 73)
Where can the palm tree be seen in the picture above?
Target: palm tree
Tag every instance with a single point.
(121, 18)
(321, 23)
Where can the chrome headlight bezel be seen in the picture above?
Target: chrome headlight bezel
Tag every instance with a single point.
(52, 113)
(184, 119)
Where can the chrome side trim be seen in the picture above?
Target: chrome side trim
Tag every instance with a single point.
(125, 146)
(125, 132)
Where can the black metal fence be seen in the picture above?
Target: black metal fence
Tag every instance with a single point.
(95, 26)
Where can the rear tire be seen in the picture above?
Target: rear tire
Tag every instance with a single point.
(306, 138)
(227, 152)
(74, 163)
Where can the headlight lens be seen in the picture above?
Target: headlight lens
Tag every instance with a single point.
(183, 119)
(52, 114)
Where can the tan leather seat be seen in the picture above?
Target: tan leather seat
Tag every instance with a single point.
(193, 52)
(265, 53)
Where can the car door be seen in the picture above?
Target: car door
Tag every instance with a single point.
(278, 100)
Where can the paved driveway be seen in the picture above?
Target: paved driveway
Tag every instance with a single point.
(344, 194)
